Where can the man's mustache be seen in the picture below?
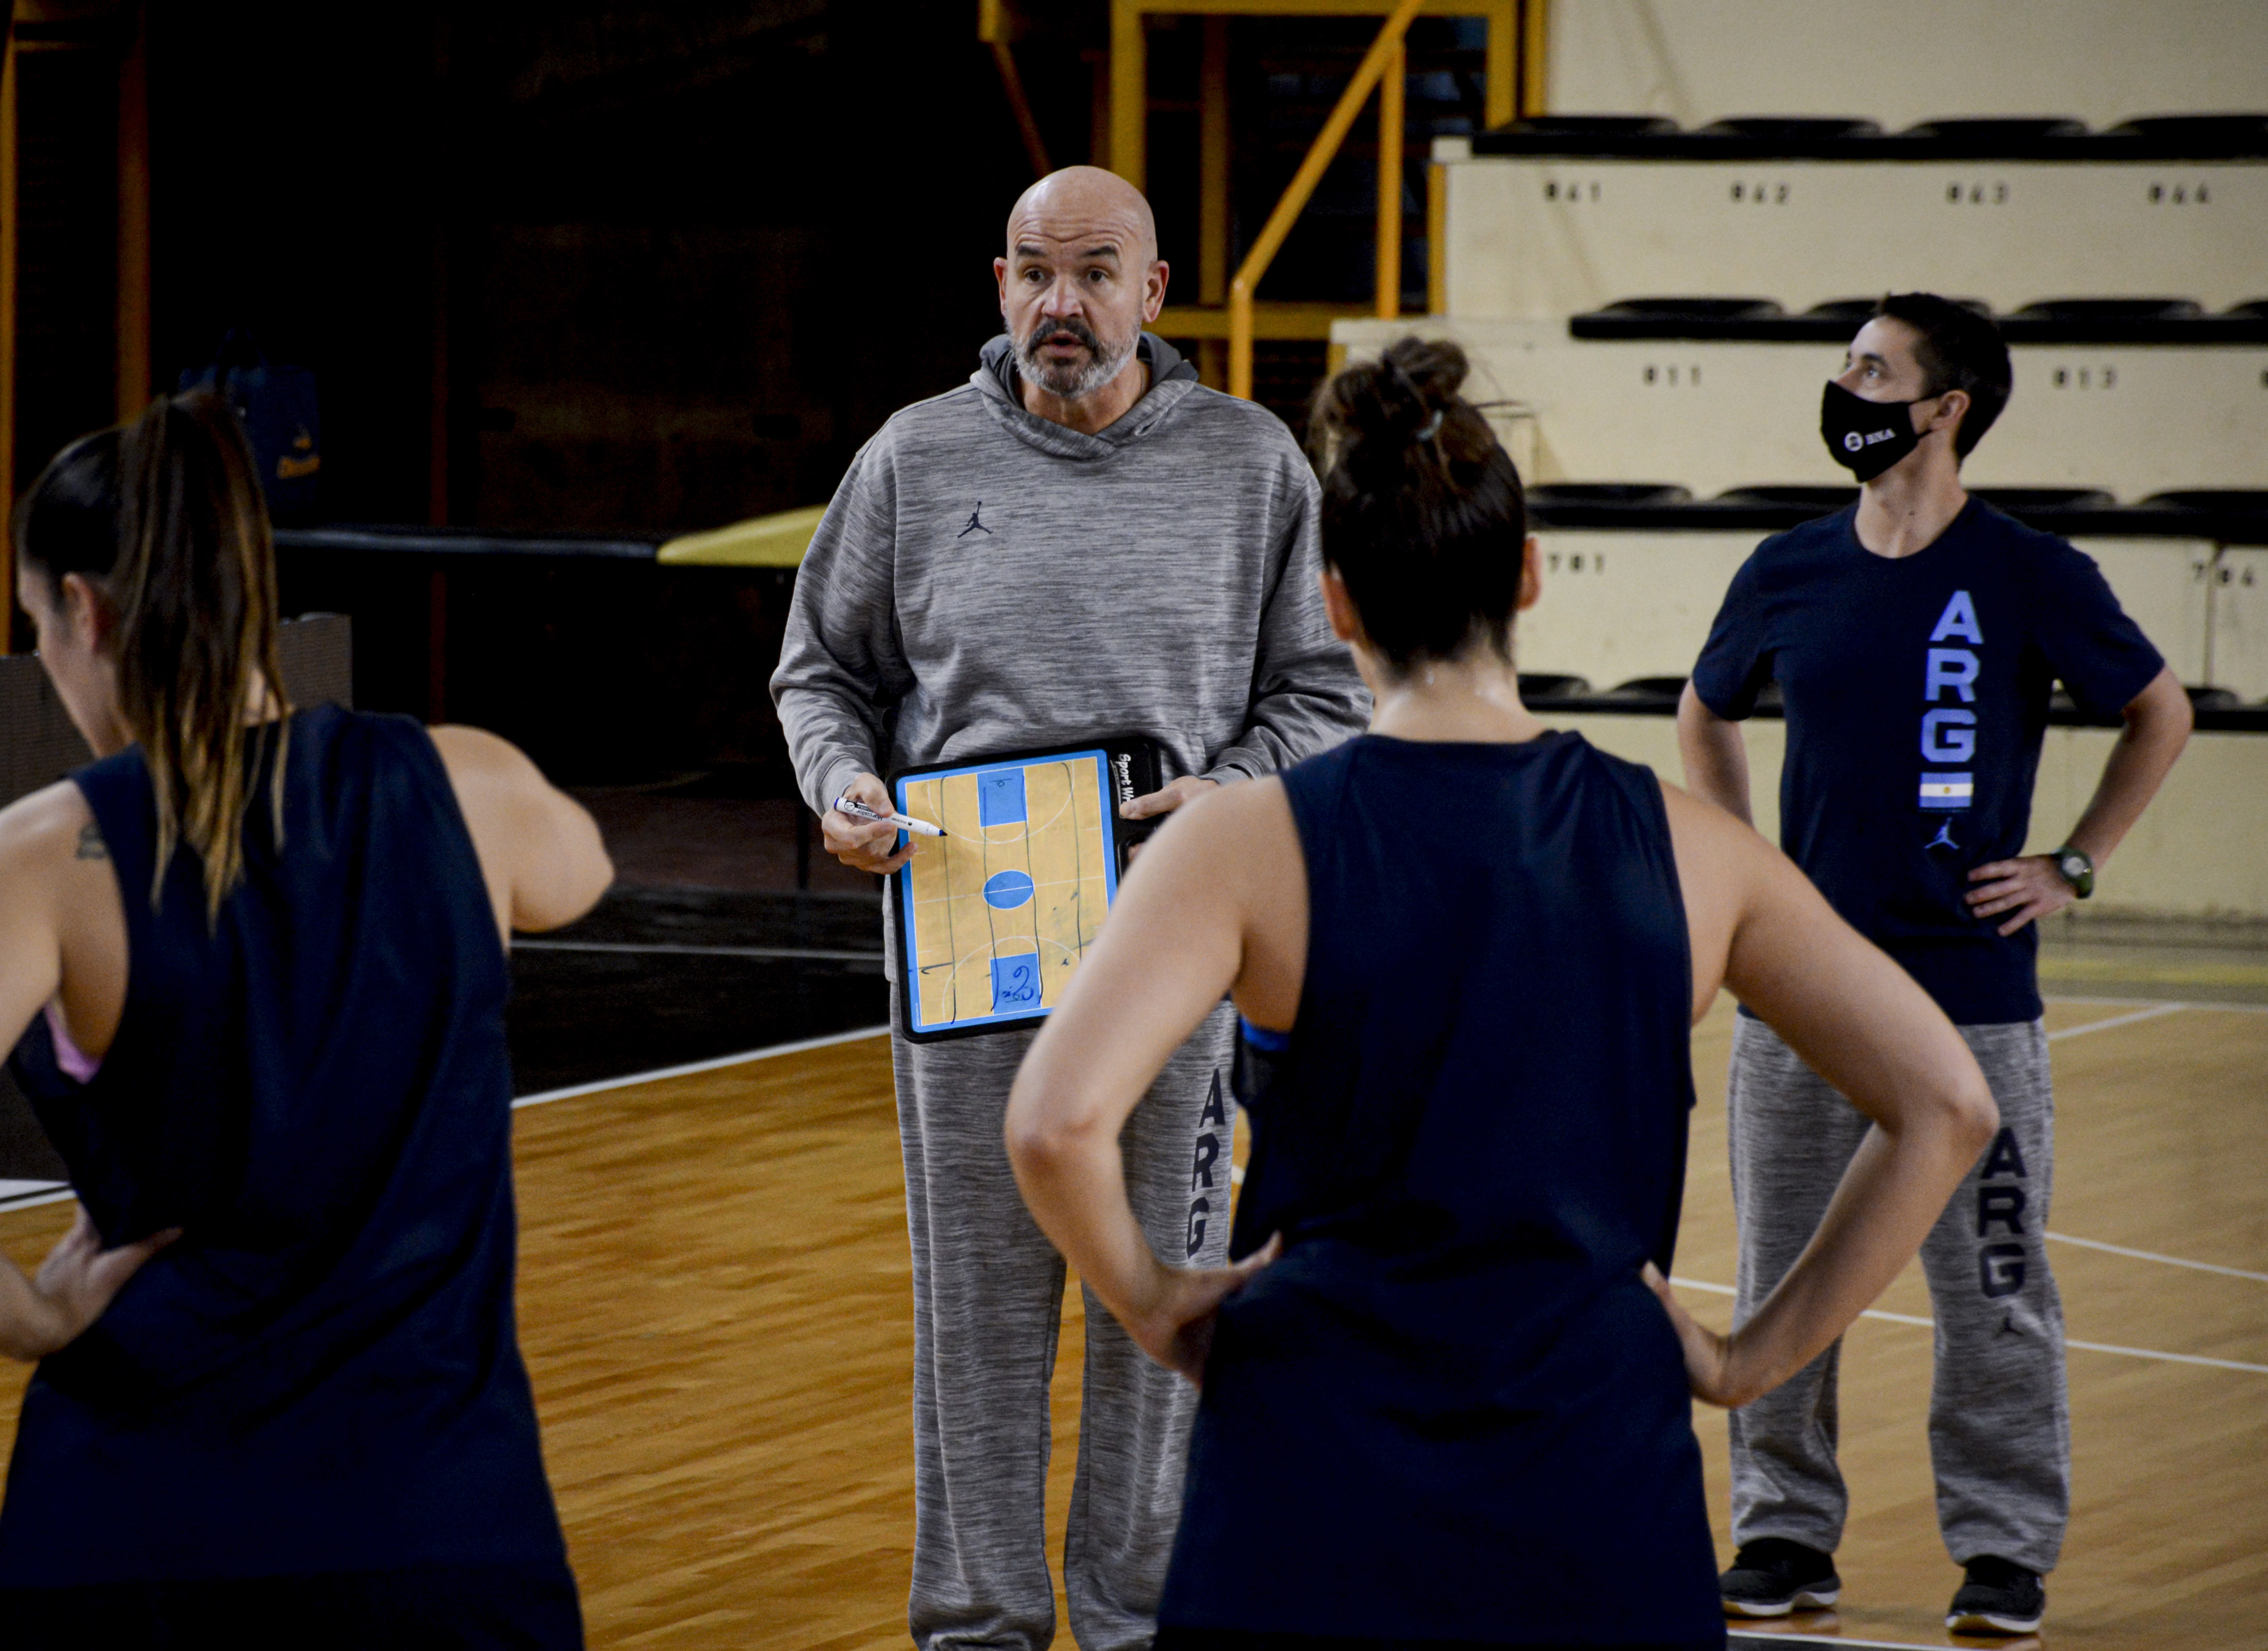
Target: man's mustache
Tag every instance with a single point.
(1078, 331)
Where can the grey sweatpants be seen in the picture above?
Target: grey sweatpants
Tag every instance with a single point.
(988, 1294)
(2000, 1428)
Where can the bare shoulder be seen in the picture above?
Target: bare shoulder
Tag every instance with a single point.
(1711, 842)
(51, 825)
(476, 753)
(1249, 814)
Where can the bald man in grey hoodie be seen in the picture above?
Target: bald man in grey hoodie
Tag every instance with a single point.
(1081, 540)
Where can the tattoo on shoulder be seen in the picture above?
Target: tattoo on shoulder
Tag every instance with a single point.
(91, 846)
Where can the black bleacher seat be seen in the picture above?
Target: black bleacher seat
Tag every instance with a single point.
(1758, 320)
(2237, 501)
(1647, 688)
(2019, 501)
(2251, 309)
(2194, 136)
(1998, 136)
(1560, 495)
(1796, 132)
(2212, 698)
(1820, 499)
(2113, 310)
(1593, 127)
(2136, 320)
(2233, 137)
(1545, 685)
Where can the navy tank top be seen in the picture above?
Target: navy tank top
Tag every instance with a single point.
(1452, 1410)
(322, 1374)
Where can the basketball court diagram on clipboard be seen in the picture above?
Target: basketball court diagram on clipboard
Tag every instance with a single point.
(995, 917)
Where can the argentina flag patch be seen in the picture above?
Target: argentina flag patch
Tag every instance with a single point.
(1947, 791)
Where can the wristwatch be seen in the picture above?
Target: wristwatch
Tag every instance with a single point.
(2075, 868)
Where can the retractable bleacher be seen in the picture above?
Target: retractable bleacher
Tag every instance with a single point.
(1553, 217)
(2132, 396)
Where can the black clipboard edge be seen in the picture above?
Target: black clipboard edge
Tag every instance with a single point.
(1135, 762)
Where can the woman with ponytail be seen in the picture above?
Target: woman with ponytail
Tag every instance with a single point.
(252, 962)
(1446, 1389)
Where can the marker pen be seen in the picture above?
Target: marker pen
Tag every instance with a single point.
(904, 822)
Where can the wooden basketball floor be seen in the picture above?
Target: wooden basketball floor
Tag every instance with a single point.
(714, 1298)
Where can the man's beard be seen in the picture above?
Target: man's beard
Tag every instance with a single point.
(1067, 379)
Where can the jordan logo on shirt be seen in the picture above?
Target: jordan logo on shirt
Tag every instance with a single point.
(976, 524)
(1949, 733)
(1944, 837)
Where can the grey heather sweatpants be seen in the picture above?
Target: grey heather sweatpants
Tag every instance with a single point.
(988, 1294)
(2000, 1428)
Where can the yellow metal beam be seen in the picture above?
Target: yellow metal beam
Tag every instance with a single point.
(1392, 87)
(1130, 65)
(1130, 92)
(1500, 76)
(1275, 322)
(1213, 185)
(1535, 57)
(1383, 52)
(1437, 240)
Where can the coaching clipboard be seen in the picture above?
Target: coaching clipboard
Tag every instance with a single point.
(993, 918)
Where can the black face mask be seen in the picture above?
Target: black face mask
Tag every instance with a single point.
(1866, 437)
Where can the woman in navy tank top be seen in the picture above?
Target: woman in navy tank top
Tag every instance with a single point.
(1446, 1391)
(253, 964)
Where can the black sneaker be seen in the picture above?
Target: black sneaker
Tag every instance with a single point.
(2000, 1596)
(1772, 1576)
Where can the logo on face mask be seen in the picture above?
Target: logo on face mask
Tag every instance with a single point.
(1866, 437)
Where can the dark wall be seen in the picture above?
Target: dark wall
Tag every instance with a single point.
(671, 263)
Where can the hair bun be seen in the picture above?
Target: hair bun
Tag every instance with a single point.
(1392, 401)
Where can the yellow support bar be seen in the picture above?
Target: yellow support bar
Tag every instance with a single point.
(1535, 57)
(1130, 58)
(1437, 240)
(1130, 92)
(1383, 52)
(1392, 88)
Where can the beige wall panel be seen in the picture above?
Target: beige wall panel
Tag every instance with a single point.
(1697, 61)
(2164, 585)
(1616, 606)
(2240, 621)
(1533, 238)
(2200, 852)
(2202, 849)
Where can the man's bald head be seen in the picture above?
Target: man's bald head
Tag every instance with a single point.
(1086, 202)
(1081, 278)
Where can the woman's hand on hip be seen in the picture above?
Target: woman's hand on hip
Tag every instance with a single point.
(1177, 1330)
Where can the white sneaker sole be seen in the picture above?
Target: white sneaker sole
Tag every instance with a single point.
(1803, 1599)
(1990, 1622)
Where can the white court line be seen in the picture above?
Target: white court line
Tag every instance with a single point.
(40, 1192)
(2090, 1346)
(2149, 1013)
(690, 1067)
(2152, 1254)
(2212, 1006)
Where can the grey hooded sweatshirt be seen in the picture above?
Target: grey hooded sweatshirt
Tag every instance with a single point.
(988, 581)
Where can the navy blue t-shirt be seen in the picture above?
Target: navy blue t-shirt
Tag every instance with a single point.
(1917, 692)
